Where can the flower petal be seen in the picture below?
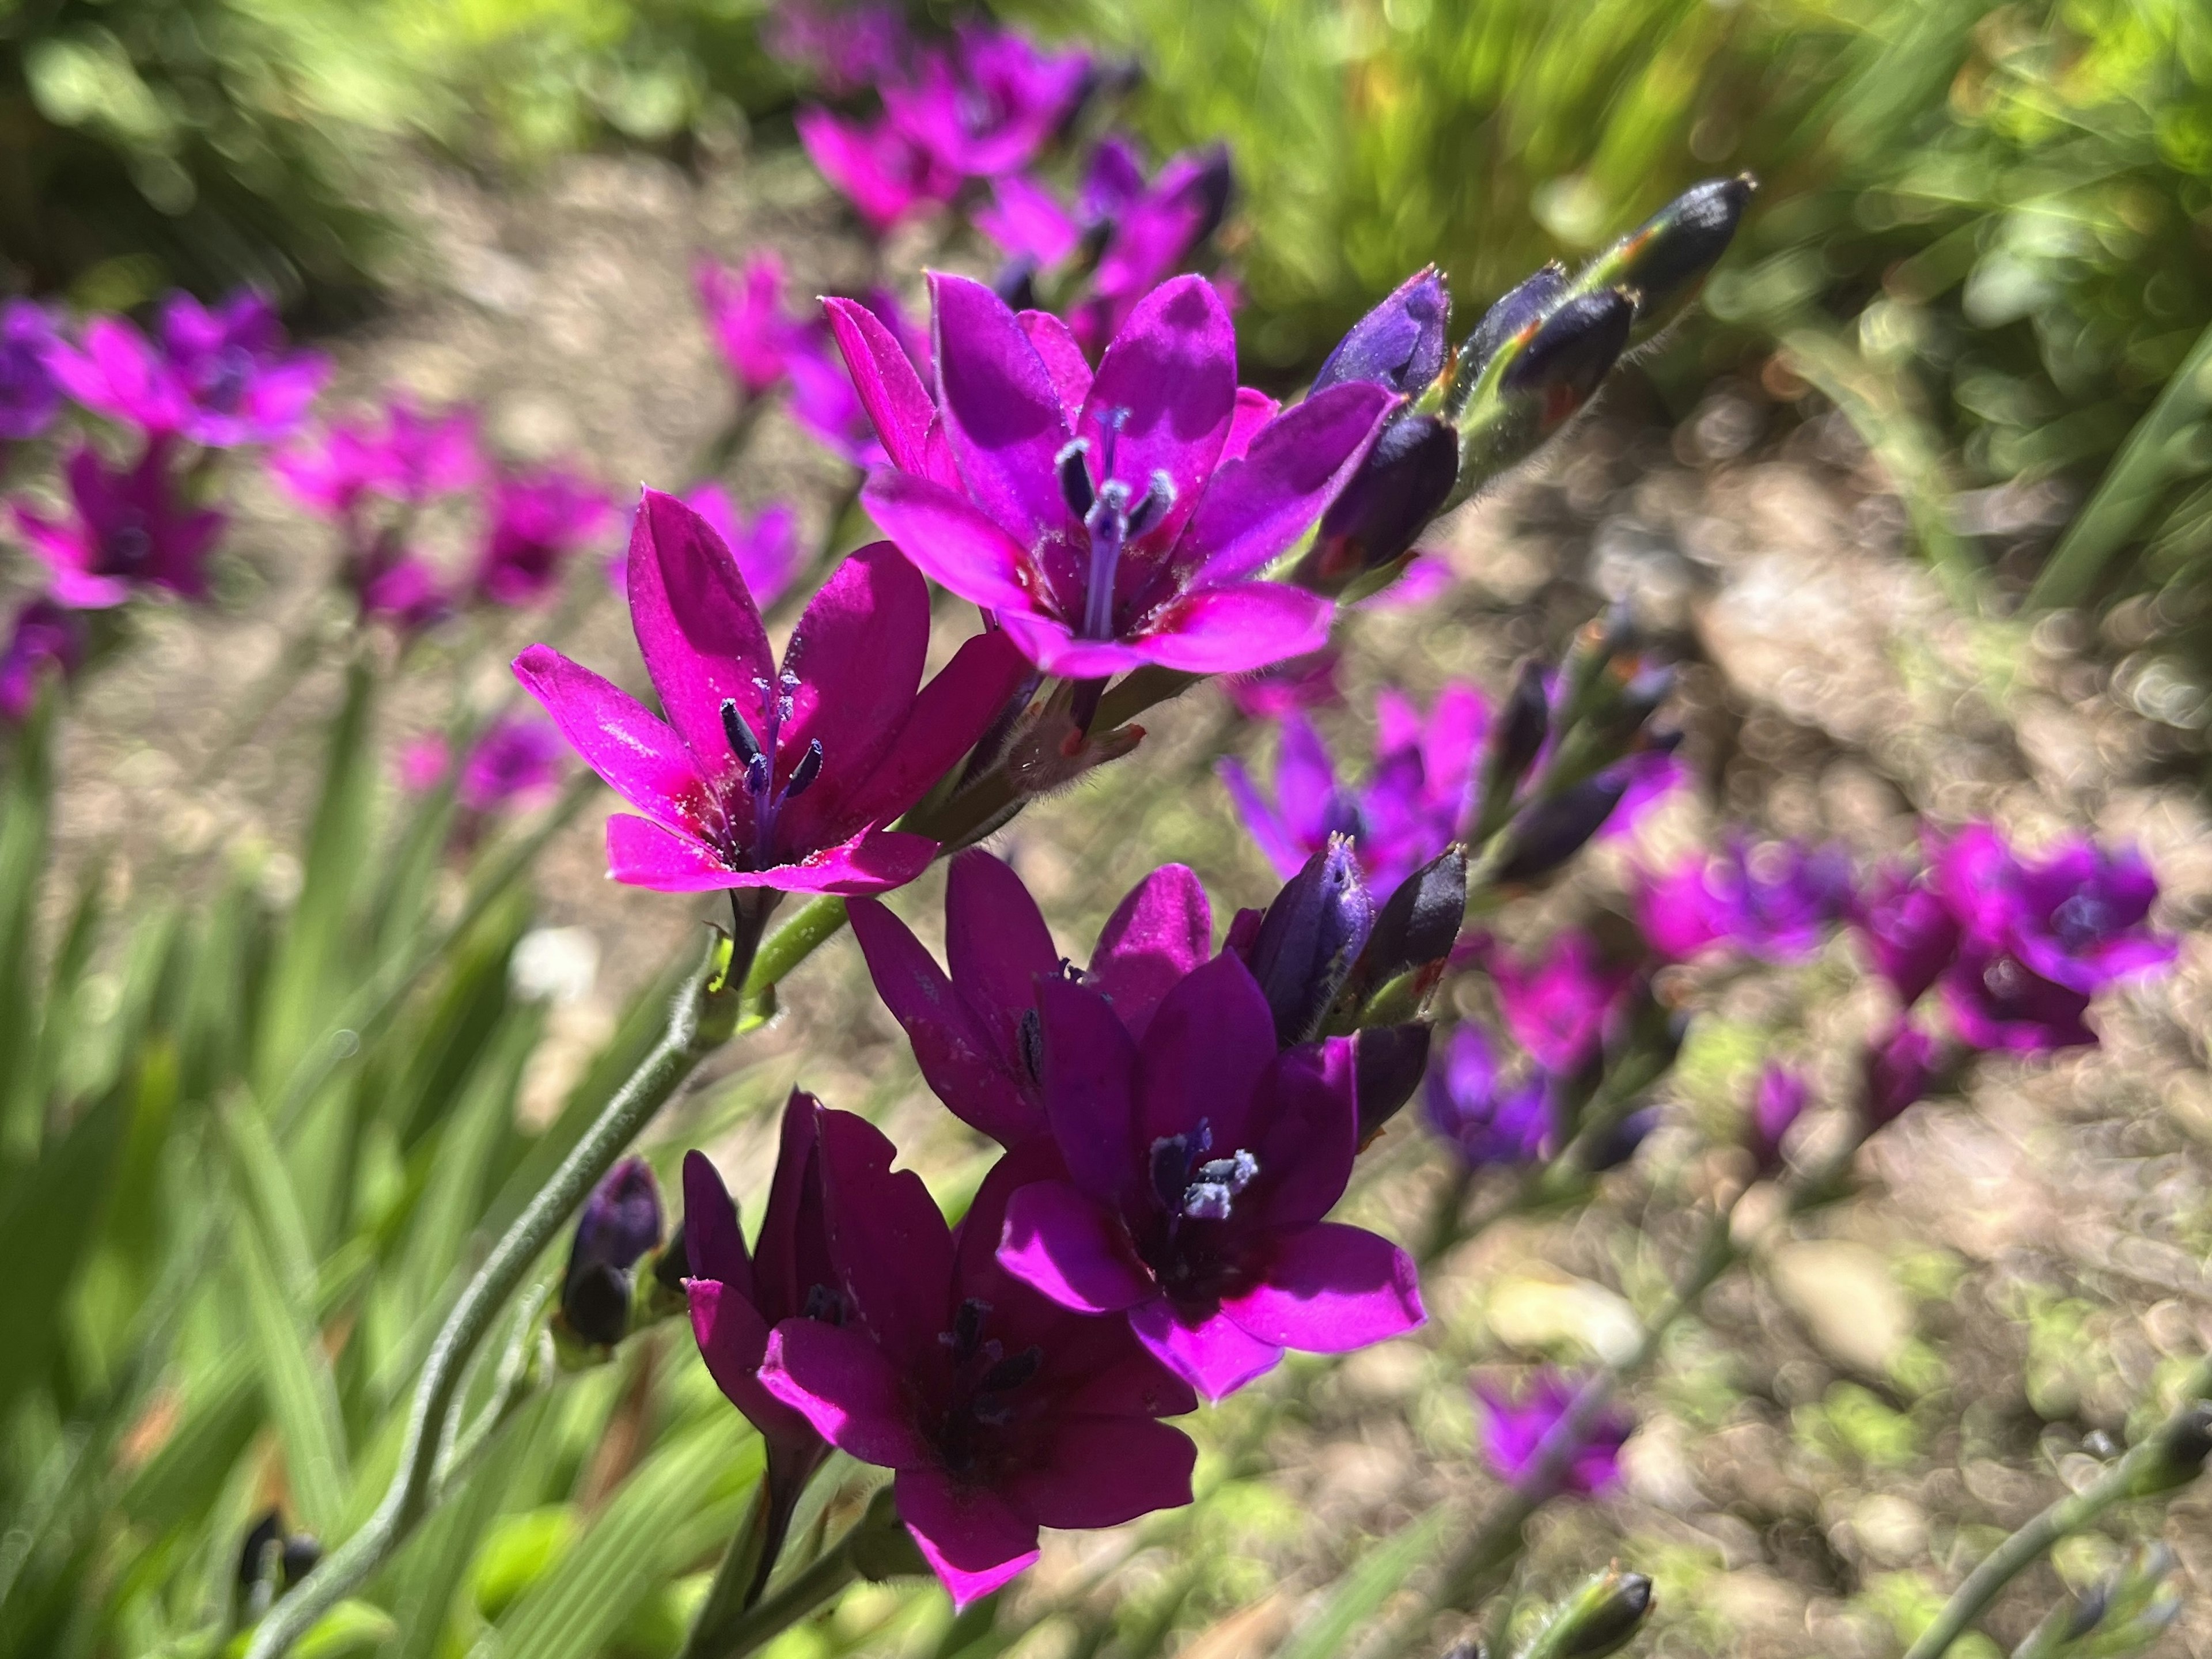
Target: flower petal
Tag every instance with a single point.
(846, 1387)
(996, 943)
(1053, 646)
(1173, 369)
(1329, 1289)
(1091, 1068)
(948, 540)
(640, 757)
(697, 629)
(873, 861)
(1210, 1042)
(1101, 1471)
(1162, 930)
(1254, 410)
(1076, 1253)
(897, 401)
(1062, 358)
(1254, 508)
(1211, 1351)
(942, 724)
(972, 1538)
(711, 1243)
(1233, 630)
(1002, 412)
(888, 1239)
(1311, 1135)
(1261, 820)
(643, 853)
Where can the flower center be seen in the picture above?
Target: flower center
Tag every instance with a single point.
(758, 758)
(222, 387)
(1110, 516)
(984, 1376)
(1190, 1184)
(2083, 920)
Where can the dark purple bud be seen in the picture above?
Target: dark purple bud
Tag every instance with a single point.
(1388, 1062)
(1572, 352)
(1522, 725)
(1400, 343)
(1519, 308)
(1600, 1617)
(257, 1556)
(1016, 282)
(1663, 258)
(1399, 489)
(1420, 922)
(1898, 1073)
(302, 1551)
(1778, 1103)
(620, 1223)
(1551, 832)
(1310, 939)
(2184, 1442)
(1210, 190)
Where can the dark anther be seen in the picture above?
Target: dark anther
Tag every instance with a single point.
(966, 1335)
(1012, 1371)
(1075, 477)
(742, 744)
(824, 1305)
(1158, 498)
(1029, 1043)
(803, 774)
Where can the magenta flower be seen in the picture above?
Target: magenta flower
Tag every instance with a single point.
(986, 105)
(1486, 1120)
(1908, 930)
(1416, 801)
(2080, 918)
(1997, 1001)
(763, 776)
(1113, 180)
(1105, 523)
(130, 530)
(1777, 1102)
(765, 545)
(1200, 1162)
(402, 590)
(46, 638)
(1027, 221)
(220, 378)
(402, 454)
(1776, 901)
(515, 763)
(28, 396)
(876, 166)
(745, 311)
(1153, 235)
(1513, 1431)
(539, 520)
(1556, 1006)
(999, 1412)
(1900, 1071)
(977, 1034)
(845, 47)
(1288, 686)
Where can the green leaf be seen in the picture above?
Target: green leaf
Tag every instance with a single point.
(1350, 1609)
(50, 1216)
(26, 809)
(347, 1630)
(303, 1397)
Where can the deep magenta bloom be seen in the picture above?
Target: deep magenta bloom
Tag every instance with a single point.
(539, 519)
(1776, 901)
(1513, 1431)
(845, 47)
(515, 763)
(999, 1411)
(765, 545)
(1416, 800)
(763, 776)
(1909, 929)
(130, 530)
(1153, 235)
(1027, 221)
(1486, 1118)
(1899, 1070)
(1777, 1102)
(1200, 1162)
(2080, 918)
(402, 453)
(977, 1033)
(28, 396)
(744, 312)
(46, 638)
(220, 378)
(988, 103)
(1995, 1001)
(1556, 1006)
(1289, 687)
(620, 1222)
(876, 165)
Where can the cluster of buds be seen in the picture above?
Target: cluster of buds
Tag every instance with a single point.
(270, 1562)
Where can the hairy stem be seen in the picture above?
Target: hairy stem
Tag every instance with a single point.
(874, 1543)
(699, 1021)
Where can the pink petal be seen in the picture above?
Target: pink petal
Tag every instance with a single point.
(1234, 629)
(1253, 509)
(1091, 1067)
(873, 861)
(637, 755)
(847, 1388)
(1329, 1289)
(1062, 358)
(1001, 411)
(883, 376)
(1053, 646)
(1075, 1252)
(711, 1243)
(642, 854)
(1212, 1040)
(972, 1538)
(1162, 930)
(1101, 1471)
(942, 725)
(889, 1240)
(1254, 410)
(1212, 1352)
(996, 943)
(1173, 367)
(948, 540)
(1311, 1134)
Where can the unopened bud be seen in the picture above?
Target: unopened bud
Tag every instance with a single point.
(1015, 283)
(1597, 1618)
(1519, 309)
(1522, 725)
(1898, 1073)
(1398, 490)
(1420, 919)
(1778, 1103)
(1551, 832)
(1310, 939)
(1400, 343)
(1570, 356)
(2184, 1441)
(620, 1223)
(1664, 259)
(1388, 1062)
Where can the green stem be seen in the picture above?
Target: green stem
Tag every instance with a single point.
(813, 1586)
(2133, 1476)
(700, 1021)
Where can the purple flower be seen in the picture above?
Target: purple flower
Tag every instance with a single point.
(539, 520)
(45, 637)
(977, 1034)
(2080, 918)
(845, 47)
(744, 310)
(1556, 1006)
(517, 761)
(1513, 1431)
(1415, 802)
(1113, 180)
(1103, 524)
(1152, 238)
(1995, 1001)
(986, 105)
(1908, 930)
(1486, 1120)
(408, 456)
(130, 530)
(1775, 900)
(1778, 1103)
(220, 378)
(763, 776)
(1027, 221)
(28, 396)
(620, 1221)
(403, 591)
(876, 166)
(765, 546)
(1899, 1070)
(1200, 1162)
(999, 1412)
(1288, 686)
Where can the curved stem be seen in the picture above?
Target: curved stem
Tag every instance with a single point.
(814, 1586)
(700, 1019)
(2130, 1477)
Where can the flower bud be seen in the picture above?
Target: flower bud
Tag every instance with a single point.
(1779, 1102)
(1519, 308)
(1664, 259)
(2182, 1442)
(620, 1223)
(1388, 1065)
(270, 1562)
(1522, 725)
(1570, 354)
(1398, 490)
(1310, 939)
(1420, 922)
(1597, 1618)
(1898, 1073)
(1551, 832)
(1399, 344)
